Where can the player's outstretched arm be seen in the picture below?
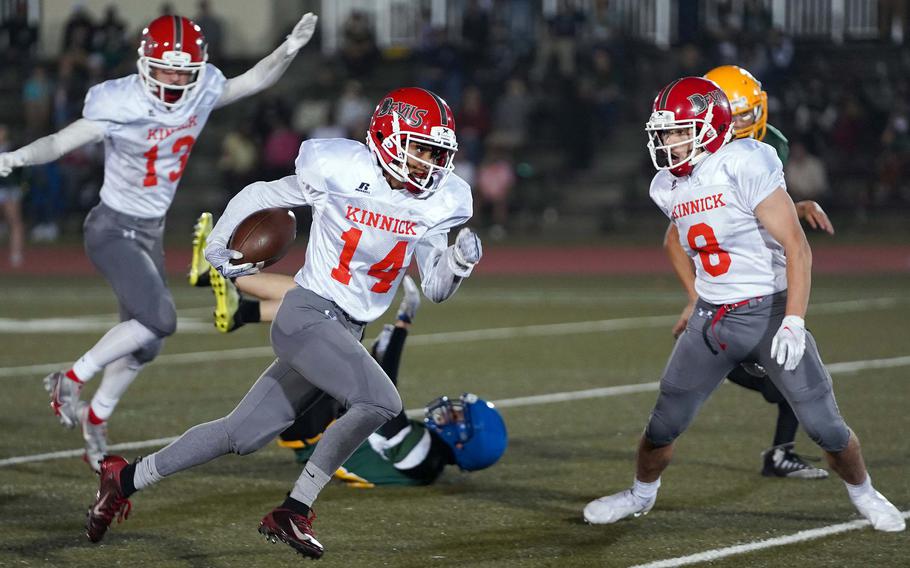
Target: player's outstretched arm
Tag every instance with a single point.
(814, 216)
(443, 268)
(49, 148)
(685, 271)
(267, 72)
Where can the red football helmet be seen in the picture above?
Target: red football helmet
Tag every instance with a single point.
(172, 43)
(413, 115)
(694, 104)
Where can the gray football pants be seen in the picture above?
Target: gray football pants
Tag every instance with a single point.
(318, 350)
(699, 364)
(128, 252)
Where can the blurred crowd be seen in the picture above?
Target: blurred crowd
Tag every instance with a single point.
(540, 103)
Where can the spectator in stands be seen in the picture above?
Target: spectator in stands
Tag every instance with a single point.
(353, 110)
(11, 202)
(807, 177)
(109, 39)
(510, 119)
(238, 160)
(36, 100)
(78, 30)
(473, 125)
(280, 148)
(212, 28)
(561, 36)
(358, 48)
(475, 34)
(18, 40)
(895, 157)
(495, 181)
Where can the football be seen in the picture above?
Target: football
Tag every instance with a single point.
(265, 236)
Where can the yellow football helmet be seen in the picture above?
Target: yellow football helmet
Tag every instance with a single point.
(746, 96)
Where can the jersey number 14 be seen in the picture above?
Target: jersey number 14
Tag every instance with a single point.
(386, 270)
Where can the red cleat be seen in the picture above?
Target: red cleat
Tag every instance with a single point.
(292, 529)
(109, 502)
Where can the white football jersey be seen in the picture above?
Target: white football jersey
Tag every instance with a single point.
(364, 233)
(146, 146)
(714, 210)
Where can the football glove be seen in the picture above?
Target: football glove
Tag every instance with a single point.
(411, 301)
(467, 250)
(789, 342)
(221, 258)
(302, 32)
(8, 161)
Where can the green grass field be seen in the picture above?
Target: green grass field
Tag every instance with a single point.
(526, 510)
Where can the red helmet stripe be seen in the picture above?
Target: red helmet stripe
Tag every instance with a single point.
(442, 108)
(666, 94)
(178, 33)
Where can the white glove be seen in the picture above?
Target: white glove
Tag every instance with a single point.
(467, 249)
(411, 301)
(789, 342)
(221, 258)
(8, 161)
(302, 32)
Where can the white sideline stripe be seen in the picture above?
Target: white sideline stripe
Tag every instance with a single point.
(845, 367)
(801, 536)
(72, 325)
(539, 330)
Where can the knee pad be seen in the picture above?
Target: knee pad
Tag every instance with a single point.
(672, 414)
(160, 316)
(823, 423)
(147, 353)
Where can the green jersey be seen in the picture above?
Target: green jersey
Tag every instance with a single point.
(776, 139)
(406, 459)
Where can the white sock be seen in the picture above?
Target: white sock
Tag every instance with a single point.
(857, 491)
(118, 376)
(646, 491)
(146, 473)
(85, 368)
(309, 484)
(120, 340)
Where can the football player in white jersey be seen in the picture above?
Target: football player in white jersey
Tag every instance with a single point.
(149, 122)
(375, 207)
(753, 271)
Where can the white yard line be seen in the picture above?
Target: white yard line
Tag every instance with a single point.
(540, 330)
(801, 536)
(845, 367)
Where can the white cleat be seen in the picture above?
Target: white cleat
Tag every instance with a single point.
(615, 507)
(64, 395)
(880, 512)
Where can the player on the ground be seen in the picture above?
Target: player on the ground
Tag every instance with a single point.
(753, 276)
(467, 432)
(749, 104)
(149, 122)
(402, 451)
(375, 207)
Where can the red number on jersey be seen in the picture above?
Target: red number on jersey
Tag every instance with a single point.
(342, 272)
(185, 144)
(386, 270)
(709, 249)
(151, 176)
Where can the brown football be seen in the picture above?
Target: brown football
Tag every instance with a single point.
(265, 236)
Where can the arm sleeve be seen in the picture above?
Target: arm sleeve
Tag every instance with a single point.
(284, 192)
(258, 78)
(49, 148)
(759, 174)
(440, 276)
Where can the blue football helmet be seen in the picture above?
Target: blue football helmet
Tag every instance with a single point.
(471, 427)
